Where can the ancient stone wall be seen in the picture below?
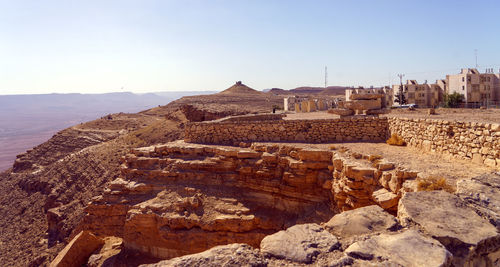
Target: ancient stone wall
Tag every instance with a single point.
(310, 131)
(479, 142)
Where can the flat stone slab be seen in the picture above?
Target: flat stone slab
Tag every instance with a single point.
(299, 243)
(365, 220)
(341, 111)
(77, 250)
(378, 111)
(227, 255)
(448, 219)
(483, 194)
(409, 248)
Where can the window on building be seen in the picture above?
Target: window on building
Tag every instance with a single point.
(463, 87)
(463, 79)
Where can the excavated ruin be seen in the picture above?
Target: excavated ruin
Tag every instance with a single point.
(180, 198)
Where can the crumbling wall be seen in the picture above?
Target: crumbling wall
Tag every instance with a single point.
(369, 128)
(479, 142)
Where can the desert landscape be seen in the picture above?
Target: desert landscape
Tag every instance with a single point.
(220, 180)
(249, 133)
(29, 120)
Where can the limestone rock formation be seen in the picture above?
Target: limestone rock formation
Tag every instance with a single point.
(78, 250)
(299, 243)
(227, 255)
(107, 254)
(361, 221)
(445, 217)
(409, 248)
(483, 194)
(179, 198)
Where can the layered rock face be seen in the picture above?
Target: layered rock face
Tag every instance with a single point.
(60, 145)
(179, 198)
(472, 239)
(378, 244)
(359, 183)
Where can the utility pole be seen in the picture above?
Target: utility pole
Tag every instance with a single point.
(326, 76)
(400, 94)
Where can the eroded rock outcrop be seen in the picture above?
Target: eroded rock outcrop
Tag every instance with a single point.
(78, 250)
(227, 255)
(361, 221)
(178, 199)
(408, 248)
(472, 240)
(299, 243)
(482, 193)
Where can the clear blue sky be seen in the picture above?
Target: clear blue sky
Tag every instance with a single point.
(101, 46)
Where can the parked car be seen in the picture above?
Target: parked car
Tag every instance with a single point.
(406, 106)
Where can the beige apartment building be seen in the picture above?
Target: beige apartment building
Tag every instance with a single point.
(476, 87)
(387, 100)
(423, 95)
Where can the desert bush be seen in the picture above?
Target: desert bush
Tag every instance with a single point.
(374, 158)
(434, 183)
(453, 100)
(332, 147)
(343, 149)
(356, 155)
(396, 140)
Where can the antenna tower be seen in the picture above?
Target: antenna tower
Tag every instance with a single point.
(475, 54)
(401, 96)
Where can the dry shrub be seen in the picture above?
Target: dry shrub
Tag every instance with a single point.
(375, 163)
(374, 158)
(332, 147)
(396, 140)
(343, 149)
(434, 183)
(357, 155)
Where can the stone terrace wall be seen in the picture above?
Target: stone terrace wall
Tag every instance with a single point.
(253, 117)
(310, 131)
(479, 142)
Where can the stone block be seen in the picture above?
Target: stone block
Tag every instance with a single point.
(385, 199)
(77, 250)
(363, 104)
(315, 155)
(366, 96)
(341, 111)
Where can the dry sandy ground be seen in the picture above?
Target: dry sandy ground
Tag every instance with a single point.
(468, 115)
(451, 114)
